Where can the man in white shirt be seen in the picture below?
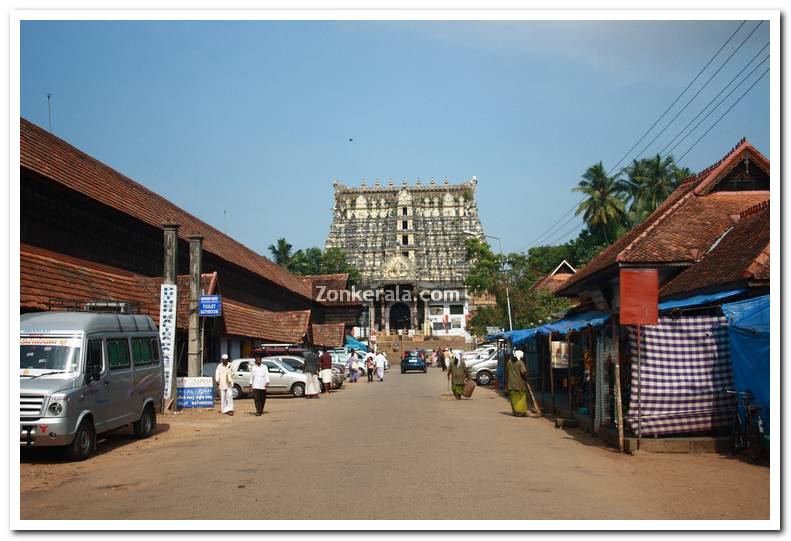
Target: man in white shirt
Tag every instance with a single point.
(259, 381)
(379, 360)
(223, 376)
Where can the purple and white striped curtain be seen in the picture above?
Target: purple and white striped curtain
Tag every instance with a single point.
(685, 366)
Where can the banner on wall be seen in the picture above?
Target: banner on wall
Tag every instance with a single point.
(167, 332)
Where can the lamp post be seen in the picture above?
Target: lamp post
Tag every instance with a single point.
(502, 268)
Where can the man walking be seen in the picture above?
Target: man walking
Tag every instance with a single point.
(259, 381)
(223, 376)
(325, 361)
(379, 361)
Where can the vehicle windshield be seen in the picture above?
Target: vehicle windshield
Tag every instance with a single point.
(48, 355)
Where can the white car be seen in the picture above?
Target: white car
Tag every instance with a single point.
(284, 379)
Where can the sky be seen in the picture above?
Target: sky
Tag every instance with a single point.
(246, 124)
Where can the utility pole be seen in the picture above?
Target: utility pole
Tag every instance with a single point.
(502, 269)
(49, 110)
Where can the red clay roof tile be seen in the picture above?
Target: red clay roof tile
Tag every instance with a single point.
(328, 334)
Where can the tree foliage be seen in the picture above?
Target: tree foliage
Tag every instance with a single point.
(313, 261)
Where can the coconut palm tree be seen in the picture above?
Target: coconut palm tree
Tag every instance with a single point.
(281, 252)
(603, 208)
(648, 182)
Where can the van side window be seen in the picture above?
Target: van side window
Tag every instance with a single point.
(118, 353)
(154, 351)
(141, 351)
(93, 361)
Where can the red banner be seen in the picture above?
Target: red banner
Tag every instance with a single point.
(639, 296)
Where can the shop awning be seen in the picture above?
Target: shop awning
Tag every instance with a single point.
(353, 343)
(748, 330)
(520, 336)
(699, 300)
(575, 322)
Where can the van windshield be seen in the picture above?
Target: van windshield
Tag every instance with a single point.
(38, 356)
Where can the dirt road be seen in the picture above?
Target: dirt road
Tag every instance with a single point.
(390, 450)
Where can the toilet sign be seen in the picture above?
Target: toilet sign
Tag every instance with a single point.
(210, 306)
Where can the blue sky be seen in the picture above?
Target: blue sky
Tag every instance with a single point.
(255, 117)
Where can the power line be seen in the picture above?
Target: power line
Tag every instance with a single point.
(715, 98)
(555, 227)
(728, 95)
(725, 113)
(713, 75)
(677, 98)
(566, 233)
(561, 226)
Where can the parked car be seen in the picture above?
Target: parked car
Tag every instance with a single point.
(284, 379)
(484, 369)
(299, 364)
(412, 361)
(84, 373)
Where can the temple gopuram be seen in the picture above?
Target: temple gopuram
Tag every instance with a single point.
(408, 243)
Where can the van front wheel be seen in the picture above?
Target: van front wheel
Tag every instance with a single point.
(147, 423)
(84, 443)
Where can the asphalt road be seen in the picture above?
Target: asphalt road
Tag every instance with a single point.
(391, 450)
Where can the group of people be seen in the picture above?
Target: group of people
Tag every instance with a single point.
(259, 381)
(321, 366)
(373, 363)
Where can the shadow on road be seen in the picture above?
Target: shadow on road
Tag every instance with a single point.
(105, 443)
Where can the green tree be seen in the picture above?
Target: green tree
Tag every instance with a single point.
(281, 252)
(334, 261)
(308, 261)
(603, 208)
(648, 182)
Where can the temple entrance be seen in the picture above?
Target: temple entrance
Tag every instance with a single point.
(400, 317)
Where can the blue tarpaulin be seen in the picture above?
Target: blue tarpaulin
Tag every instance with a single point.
(699, 300)
(355, 344)
(520, 336)
(575, 322)
(748, 330)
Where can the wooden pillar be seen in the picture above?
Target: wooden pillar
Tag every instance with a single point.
(568, 374)
(194, 361)
(551, 376)
(617, 375)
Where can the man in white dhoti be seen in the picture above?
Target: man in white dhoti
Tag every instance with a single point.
(379, 361)
(224, 378)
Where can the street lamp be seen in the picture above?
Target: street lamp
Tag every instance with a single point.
(502, 268)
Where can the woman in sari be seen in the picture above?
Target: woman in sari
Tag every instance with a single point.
(311, 369)
(516, 371)
(457, 374)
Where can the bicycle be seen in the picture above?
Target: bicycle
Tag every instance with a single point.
(747, 432)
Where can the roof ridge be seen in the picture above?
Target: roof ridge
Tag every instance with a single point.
(755, 209)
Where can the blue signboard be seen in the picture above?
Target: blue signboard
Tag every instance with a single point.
(210, 306)
(194, 393)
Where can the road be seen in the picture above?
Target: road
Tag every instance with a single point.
(398, 449)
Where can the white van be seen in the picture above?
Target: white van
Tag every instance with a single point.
(84, 373)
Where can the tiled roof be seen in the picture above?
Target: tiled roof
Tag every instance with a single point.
(55, 159)
(329, 282)
(551, 282)
(690, 219)
(245, 320)
(48, 278)
(741, 255)
(328, 334)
